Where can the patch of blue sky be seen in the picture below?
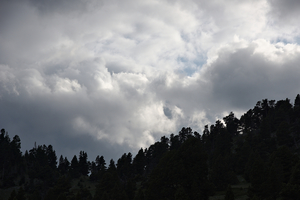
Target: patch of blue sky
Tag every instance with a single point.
(132, 38)
(281, 40)
(191, 66)
(185, 37)
(287, 41)
(297, 40)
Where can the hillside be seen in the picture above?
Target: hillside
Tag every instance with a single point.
(254, 157)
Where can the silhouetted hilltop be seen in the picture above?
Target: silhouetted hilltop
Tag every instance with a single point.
(254, 157)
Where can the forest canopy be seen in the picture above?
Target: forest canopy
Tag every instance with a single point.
(260, 151)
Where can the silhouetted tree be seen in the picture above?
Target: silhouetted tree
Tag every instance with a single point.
(63, 165)
(124, 166)
(232, 124)
(74, 168)
(139, 162)
(52, 158)
(83, 163)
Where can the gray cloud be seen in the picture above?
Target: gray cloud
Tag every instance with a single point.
(239, 79)
(284, 18)
(285, 10)
(65, 6)
(111, 77)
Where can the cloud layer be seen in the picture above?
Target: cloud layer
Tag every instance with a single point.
(109, 77)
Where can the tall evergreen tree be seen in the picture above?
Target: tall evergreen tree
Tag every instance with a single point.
(74, 168)
(297, 101)
(124, 166)
(100, 163)
(83, 163)
(63, 165)
(232, 124)
(139, 162)
(52, 158)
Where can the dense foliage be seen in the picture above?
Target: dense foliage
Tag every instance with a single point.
(261, 148)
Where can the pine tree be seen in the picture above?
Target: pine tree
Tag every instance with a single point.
(52, 158)
(74, 168)
(297, 101)
(83, 163)
(139, 162)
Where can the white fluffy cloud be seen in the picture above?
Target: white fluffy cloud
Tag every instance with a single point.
(113, 76)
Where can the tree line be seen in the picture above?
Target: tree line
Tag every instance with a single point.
(261, 148)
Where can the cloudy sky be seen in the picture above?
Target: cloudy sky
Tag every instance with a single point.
(112, 76)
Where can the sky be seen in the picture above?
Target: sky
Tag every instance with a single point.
(112, 76)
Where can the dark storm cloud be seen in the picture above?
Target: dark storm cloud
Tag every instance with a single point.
(241, 78)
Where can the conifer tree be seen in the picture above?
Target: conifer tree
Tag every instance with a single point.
(139, 162)
(74, 168)
(83, 163)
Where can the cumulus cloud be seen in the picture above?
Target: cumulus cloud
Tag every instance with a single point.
(110, 77)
